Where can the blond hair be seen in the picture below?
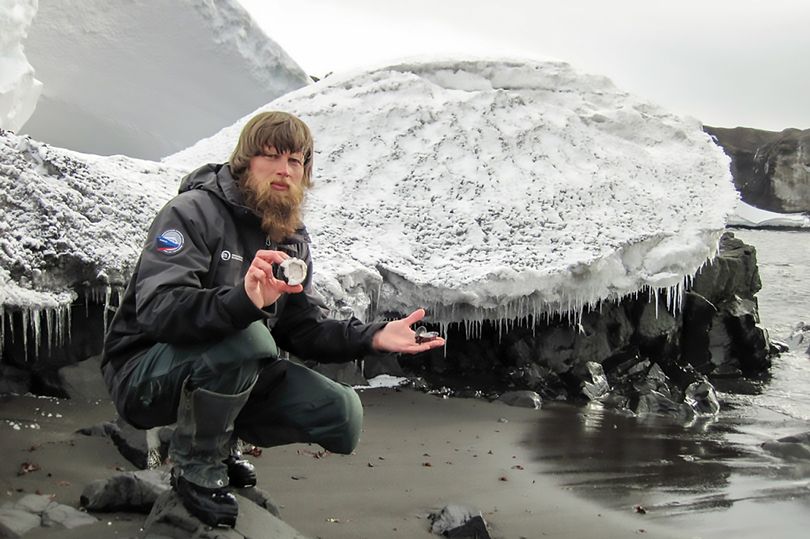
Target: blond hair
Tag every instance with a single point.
(281, 130)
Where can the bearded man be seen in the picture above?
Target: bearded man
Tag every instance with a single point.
(195, 340)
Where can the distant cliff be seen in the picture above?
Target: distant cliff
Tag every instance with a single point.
(770, 169)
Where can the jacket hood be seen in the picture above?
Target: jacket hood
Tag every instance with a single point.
(216, 178)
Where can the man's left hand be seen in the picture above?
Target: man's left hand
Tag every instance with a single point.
(397, 336)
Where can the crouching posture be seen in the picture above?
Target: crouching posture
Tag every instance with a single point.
(196, 338)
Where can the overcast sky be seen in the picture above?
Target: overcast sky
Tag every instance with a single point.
(725, 62)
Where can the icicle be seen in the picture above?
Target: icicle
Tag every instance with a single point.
(24, 313)
(677, 302)
(2, 329)
(60, 323)
(69, 323)
(107, 295)
(671, 298)
(49, 328)
(35, 325)
(444, 331)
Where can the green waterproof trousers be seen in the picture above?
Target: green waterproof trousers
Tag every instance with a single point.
(288, 403)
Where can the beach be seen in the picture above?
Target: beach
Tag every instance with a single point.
(418, 453)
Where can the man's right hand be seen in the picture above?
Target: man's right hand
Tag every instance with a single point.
(261, 285)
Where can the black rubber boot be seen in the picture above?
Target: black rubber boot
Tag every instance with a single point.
(215, 507)
(200, 444)
(241, 473)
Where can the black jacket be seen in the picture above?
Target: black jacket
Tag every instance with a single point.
(188, 285)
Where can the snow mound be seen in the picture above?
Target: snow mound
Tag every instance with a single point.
(70, 221)
(146, 79)
(19, 90)
(498, 189)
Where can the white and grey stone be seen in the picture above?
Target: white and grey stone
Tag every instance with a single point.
(35, 510)
(523, 399)
(169, 518)
(128, 491)
(459, 521)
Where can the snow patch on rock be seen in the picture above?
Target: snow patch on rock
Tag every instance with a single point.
(70, 222)
(749, 216)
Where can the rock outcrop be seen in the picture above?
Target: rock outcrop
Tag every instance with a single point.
(770, 169)
(636, 353)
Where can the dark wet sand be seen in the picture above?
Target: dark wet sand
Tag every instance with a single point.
(418, 452)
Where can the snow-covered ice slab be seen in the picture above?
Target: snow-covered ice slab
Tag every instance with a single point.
(498, 189)
(69, 220)
(69, 223)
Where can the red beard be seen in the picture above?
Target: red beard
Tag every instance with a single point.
(280, 211)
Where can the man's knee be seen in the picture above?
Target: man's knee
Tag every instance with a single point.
(348, 422)
(234, 363)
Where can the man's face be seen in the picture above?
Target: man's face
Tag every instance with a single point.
(273, 187)
(280, 169)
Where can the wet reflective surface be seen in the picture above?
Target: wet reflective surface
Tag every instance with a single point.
(710, 477)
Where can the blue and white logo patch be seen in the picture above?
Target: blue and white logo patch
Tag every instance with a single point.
(169, 242)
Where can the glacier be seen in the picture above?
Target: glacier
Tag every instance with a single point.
(19, 89)
(145, 79)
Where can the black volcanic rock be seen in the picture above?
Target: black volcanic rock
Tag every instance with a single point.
(647, 355)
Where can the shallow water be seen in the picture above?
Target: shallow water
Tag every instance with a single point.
(710, 477)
